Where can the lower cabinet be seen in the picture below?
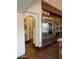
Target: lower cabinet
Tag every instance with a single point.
(47, 39)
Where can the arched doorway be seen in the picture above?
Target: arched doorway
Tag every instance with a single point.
(29, 26)
(36, 32)
(30, 34)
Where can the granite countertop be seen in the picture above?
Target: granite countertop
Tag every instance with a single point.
(59, 40)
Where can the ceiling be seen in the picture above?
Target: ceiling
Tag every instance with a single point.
(22, 5)
(56, 3)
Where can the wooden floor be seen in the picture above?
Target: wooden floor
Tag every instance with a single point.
(49, 52)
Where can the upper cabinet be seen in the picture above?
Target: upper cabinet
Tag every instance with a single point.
(56, 3)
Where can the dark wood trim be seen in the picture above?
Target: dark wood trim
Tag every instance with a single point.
(51, 9)
(52, 14)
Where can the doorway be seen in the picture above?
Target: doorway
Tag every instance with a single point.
(30, 36)
(29, 27)
(35, 25)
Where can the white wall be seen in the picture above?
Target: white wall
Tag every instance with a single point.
(22, 5)
(20, 35)
(36, 8)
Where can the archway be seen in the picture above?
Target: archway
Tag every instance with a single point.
(30, 36)
(29, 26)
